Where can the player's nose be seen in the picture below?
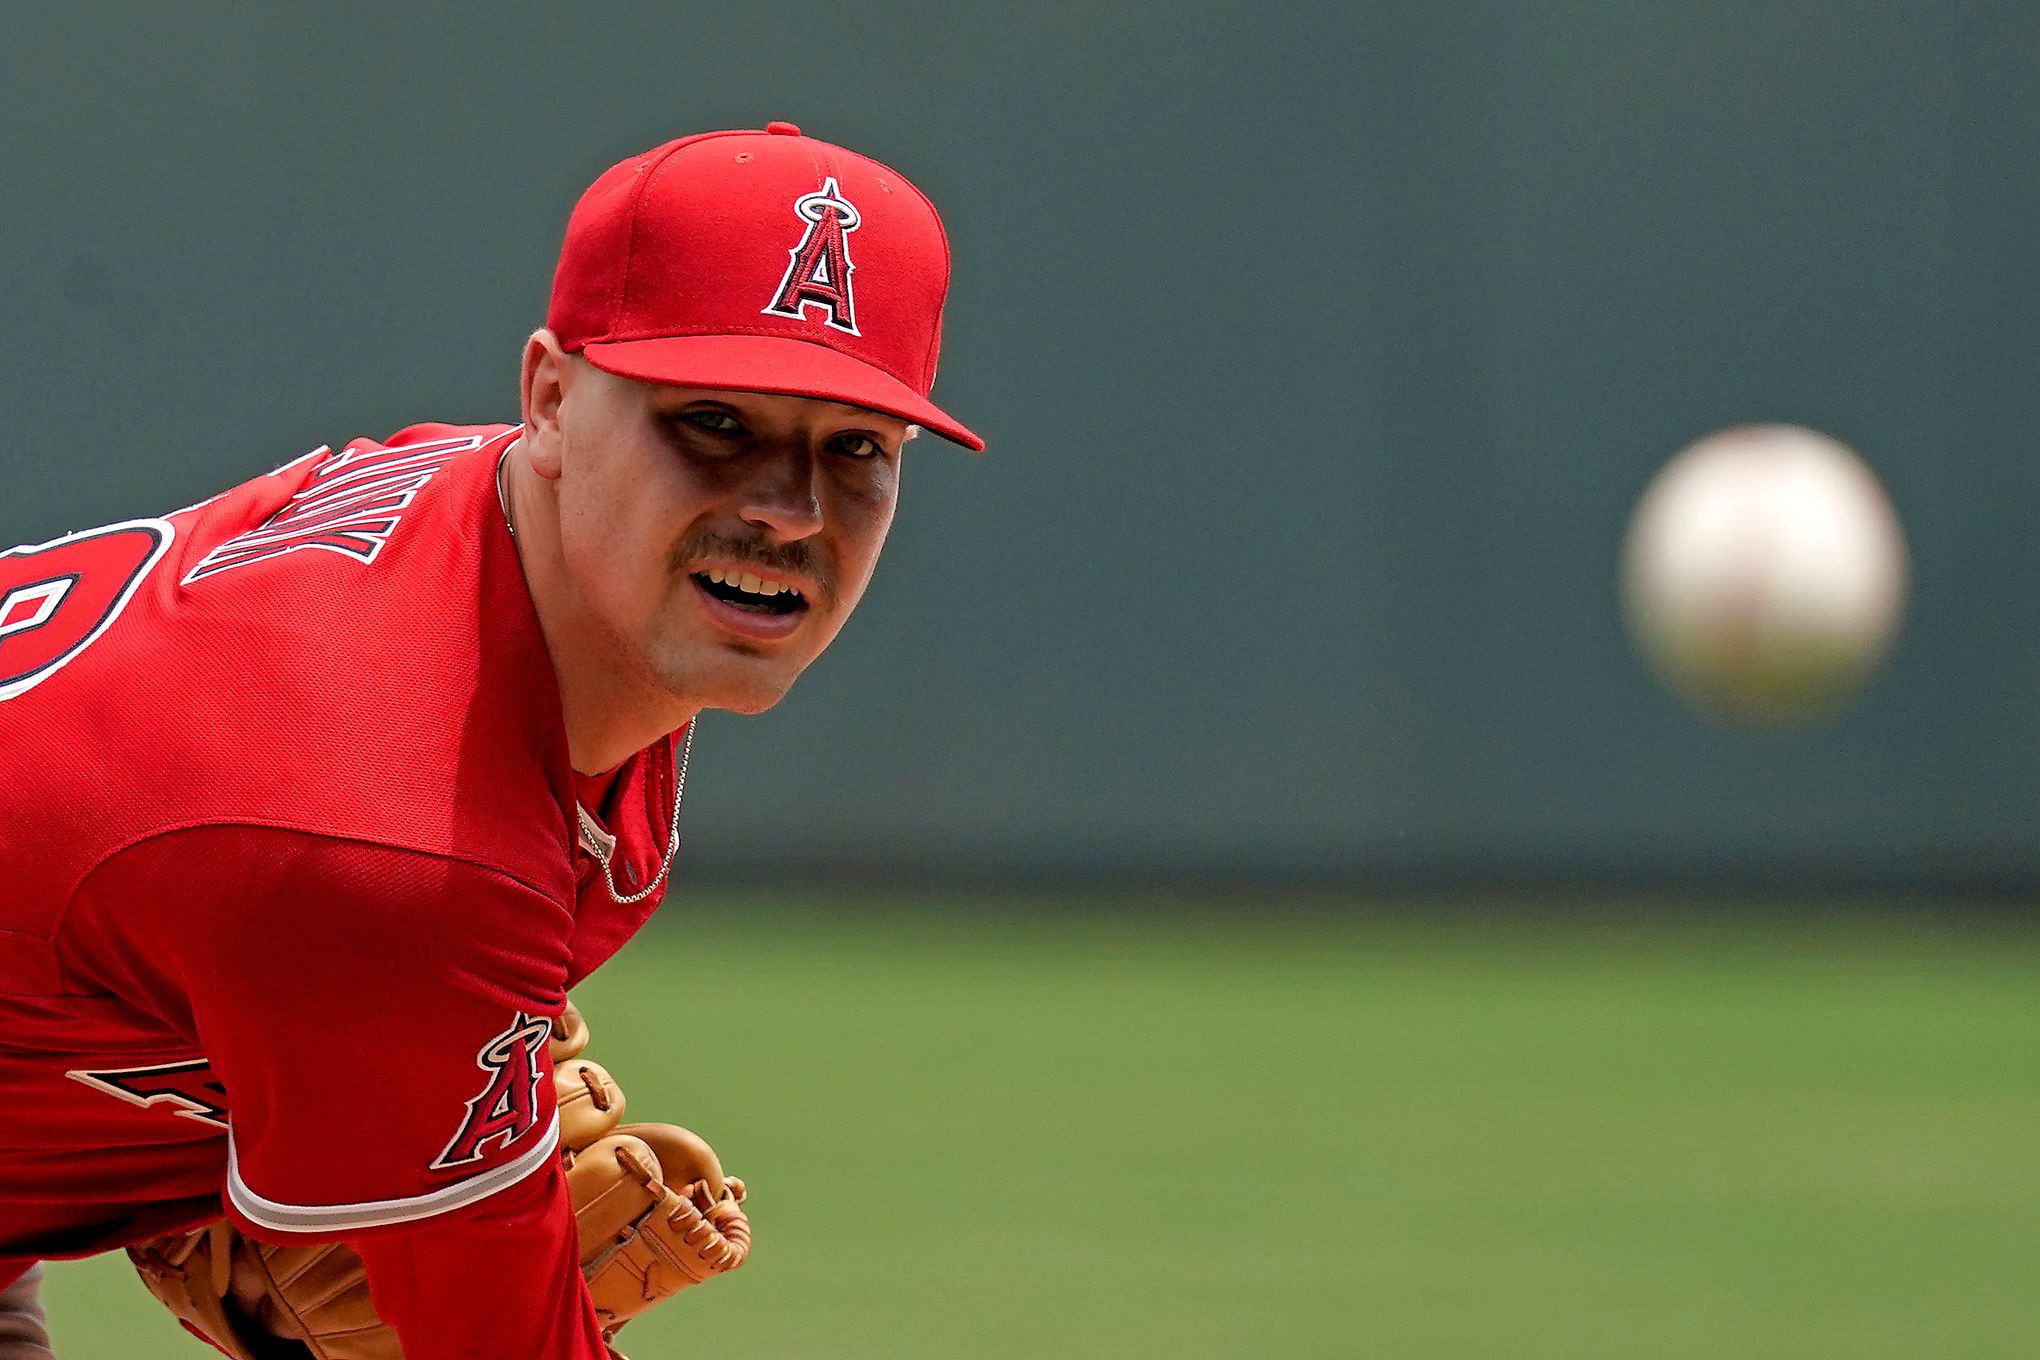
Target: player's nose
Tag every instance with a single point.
(781, 496)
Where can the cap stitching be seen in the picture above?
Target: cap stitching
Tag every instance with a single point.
(630, 223)
(670, 150)
(942, 234)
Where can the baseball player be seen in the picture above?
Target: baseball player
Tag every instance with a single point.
(317, 797)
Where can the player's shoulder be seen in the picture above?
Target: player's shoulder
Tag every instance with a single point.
(345, 646)
(356, 505)
(233, 909)
(288, 880)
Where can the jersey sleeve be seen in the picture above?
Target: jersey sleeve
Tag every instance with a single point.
(378, 1019)
(502, 1279)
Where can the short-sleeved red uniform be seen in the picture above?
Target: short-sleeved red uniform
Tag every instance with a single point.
(292, 876)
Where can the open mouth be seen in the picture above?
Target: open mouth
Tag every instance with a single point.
(749, 592)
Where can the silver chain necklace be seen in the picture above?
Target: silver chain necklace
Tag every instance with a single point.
(600, 844)
(591, 834)
(503, 496)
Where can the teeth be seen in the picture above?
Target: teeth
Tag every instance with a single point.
(748, 583)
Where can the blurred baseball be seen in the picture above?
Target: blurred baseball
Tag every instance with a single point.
(1765, 574)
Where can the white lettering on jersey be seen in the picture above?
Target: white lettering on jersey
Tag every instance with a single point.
(351, 506)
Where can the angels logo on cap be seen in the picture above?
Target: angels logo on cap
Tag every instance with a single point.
(722, 260)
(819, 272)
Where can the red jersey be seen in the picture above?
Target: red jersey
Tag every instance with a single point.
(293, 875)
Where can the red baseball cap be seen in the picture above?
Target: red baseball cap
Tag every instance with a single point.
(760, 262)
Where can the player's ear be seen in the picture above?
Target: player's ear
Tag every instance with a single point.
(543, 392)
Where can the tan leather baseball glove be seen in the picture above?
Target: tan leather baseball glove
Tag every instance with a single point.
(656, 1215)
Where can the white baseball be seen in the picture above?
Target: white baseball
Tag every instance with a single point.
(1765, 573)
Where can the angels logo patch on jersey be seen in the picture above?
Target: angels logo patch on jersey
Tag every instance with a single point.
(818, 275)
(506, 1108)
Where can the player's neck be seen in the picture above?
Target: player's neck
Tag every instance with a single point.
(611, 713)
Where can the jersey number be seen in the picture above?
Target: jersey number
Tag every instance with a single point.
(56, 598)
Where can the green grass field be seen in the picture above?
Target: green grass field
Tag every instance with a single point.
(980, 1131)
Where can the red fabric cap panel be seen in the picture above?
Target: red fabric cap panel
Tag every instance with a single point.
(756, 234)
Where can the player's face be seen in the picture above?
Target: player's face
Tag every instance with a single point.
(722, 537)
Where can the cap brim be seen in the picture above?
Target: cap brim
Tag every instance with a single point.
(771, 363)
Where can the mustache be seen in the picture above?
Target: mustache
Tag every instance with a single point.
(798, 559)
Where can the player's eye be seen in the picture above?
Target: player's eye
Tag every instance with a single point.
(712, 420)
(856, 445)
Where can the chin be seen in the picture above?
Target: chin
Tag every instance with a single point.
(734, 689)
(748, 701)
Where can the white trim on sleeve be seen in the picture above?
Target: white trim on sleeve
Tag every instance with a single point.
(378, 1213)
